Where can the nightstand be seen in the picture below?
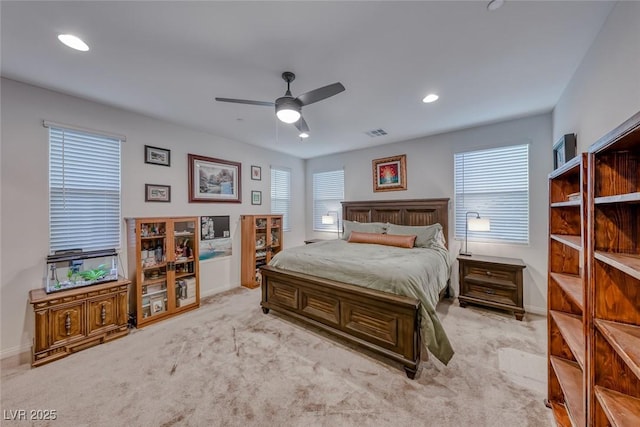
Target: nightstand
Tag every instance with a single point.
(492, 282)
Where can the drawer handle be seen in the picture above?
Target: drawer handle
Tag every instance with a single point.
(490, 291)
(489, 273)
(67, 323)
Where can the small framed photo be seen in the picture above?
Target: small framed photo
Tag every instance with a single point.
(157, 156)
(390, 173)
(564, 150)
(157, 193)
(256, 173)
(256, 197)
(157, 305)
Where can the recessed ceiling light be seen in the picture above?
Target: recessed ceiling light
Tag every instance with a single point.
(495, 5)
(73, 42)
(430, 98)
(304, 135)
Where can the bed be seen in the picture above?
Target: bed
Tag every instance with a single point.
(388, 324)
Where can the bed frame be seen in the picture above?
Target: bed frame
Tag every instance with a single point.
(385, 323)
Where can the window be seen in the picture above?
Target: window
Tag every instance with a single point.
(328, 192)
(494, 183)
(84, 190)
(281, 194)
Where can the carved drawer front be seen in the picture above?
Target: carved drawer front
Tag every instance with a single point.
(324, 308)
(282, 294)
(492, 274)
(491, 292)
(103, 313)
(67, 323)
(377, 327)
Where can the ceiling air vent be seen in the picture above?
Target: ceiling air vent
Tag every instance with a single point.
(376, 132)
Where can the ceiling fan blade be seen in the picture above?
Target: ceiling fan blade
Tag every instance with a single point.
(247, 101)
(301, 125)
(320, 93)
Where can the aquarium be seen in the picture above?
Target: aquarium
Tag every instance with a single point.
(74, 268)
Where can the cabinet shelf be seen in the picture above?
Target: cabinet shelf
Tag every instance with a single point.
(565, 204)
(155, 266)
(570, 327)
(625, 340)
(570, 378)
(621, 410)
(627, 263)
(572, 286)
(181, 275)
(183, 260)
(572, 241)
(560, 415)
(620, 198)
(160, 279)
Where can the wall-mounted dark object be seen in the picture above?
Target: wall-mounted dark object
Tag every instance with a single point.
(564, 150)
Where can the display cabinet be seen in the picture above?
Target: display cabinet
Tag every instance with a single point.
(567, 317)
(614, 276)
(163, 266)
(71, 320)
(261, 240)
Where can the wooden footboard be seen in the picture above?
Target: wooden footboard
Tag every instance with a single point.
(384, 323)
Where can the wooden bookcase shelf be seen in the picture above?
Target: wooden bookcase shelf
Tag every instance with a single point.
(570, 378)
(572, 286)
(614, 280)
(570, 327)
(574, 242)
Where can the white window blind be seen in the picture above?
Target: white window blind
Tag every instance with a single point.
(328, 192)
(494, 183)
(84, 190)
(281, 194)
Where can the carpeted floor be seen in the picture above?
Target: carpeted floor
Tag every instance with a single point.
(235, 366)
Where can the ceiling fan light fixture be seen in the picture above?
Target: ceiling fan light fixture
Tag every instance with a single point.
(287, 109)
(303, 135)
(432, 97)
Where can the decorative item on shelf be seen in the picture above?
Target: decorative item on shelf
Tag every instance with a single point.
(474, 224)
(274, 238)
(564, 150)
(260, 242)
(573, 196)
(390, 173)
(261, 223)
(332, 218)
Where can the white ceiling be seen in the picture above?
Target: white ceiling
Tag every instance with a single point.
(170, 59)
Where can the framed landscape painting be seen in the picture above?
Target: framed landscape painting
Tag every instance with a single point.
(390, 173)
(214, 180)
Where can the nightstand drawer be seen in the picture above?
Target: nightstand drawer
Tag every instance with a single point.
(492, 273)
(491, 293)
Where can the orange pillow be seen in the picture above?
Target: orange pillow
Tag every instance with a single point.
(401, 241)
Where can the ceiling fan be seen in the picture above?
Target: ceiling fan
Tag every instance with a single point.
(288, 108)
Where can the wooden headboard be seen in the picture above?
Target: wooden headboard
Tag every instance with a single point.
(401, 212)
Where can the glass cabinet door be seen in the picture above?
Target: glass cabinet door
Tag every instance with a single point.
(153, 271)
(185, 241)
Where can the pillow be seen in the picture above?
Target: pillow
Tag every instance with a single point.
(426, 235)
(362, 227)
(382, 239)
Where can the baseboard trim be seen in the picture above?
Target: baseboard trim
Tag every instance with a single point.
(18, 350)
(535, 310)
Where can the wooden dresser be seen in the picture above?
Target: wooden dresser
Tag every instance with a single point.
(72, 320)
(492, 282)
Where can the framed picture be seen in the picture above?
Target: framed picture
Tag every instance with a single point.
(157, 156)
(157, 304)
(214, 180)
(256, 173)
(157, 193)
(390, 173)
(256, 197)
(214, 227)
(564, 150)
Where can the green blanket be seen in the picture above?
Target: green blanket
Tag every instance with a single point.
(418, 272)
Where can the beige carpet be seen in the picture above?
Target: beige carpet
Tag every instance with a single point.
(236, 366)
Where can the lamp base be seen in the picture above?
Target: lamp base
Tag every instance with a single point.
(465, 253)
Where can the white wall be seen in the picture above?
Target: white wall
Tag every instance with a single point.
(24, 190)
(605, 89)
(430, 175)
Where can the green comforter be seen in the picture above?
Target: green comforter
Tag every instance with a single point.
(418, 272)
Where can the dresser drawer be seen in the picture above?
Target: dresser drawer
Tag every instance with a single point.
(488, 292)
(491, 274)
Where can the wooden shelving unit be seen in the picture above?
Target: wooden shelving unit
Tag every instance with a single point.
(162, 256)
(567, 318)
(614, 277)
(262, 238)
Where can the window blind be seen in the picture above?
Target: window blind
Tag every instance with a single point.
(281, 194)
(84, 190)
(494, 183)
(328, 192)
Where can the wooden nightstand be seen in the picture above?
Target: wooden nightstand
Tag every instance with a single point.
(492, 281)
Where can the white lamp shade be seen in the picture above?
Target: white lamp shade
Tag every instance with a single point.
(288, 116)
(327, 219)
(479, 224)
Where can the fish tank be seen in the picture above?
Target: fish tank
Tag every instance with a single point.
(75, 268)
